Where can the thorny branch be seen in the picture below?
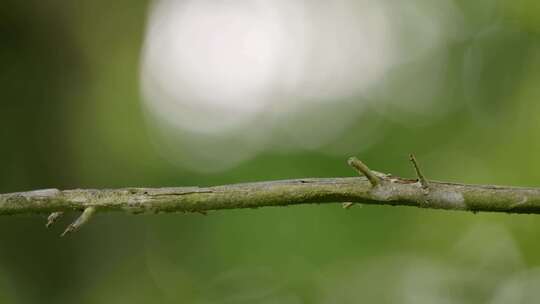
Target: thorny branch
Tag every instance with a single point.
(372, 188)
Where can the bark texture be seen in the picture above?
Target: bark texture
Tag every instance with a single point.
(372, 188)
(384, 190)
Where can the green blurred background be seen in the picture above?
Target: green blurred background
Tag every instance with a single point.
(71, 116)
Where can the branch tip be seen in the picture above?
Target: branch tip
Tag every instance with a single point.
(53, 217)
(361, 168)
(423, 182)
(81, 220)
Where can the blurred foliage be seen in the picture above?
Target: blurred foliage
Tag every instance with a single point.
(71, 117)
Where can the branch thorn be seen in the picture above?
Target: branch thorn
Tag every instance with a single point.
(361, 168)
(81, 220)
(423, 182)
(347, 205)
(53, 217)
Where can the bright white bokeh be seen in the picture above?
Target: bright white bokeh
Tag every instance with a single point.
(208, 64)
(255, 72)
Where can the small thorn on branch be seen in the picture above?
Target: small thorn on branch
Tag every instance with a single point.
(81, 220)
(53, 217)
(347, 205)
(361, 168)
(423, 182)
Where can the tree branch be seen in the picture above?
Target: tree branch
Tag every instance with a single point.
(376, 189)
